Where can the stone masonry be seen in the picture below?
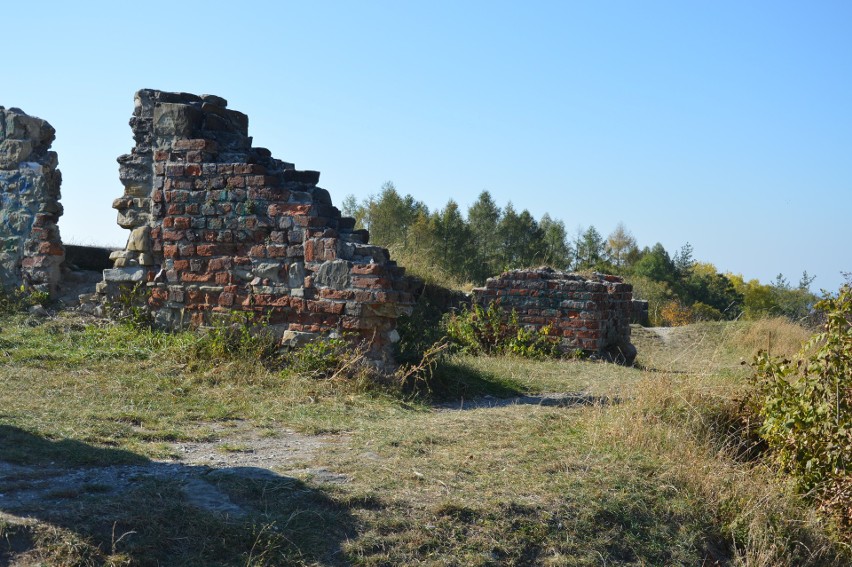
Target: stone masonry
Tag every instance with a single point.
(588, 313)
(31, 252)
(218, 226)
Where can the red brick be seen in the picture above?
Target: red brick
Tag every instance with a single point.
(368, 282)
(173, 234)
(276, 251)
(50, 248)
(339, 294)
(236, 181)
(368, 269)
(258, 251)
(174, 169)
(196, 278)
(180, 222)
(288, 210)
(250, 168)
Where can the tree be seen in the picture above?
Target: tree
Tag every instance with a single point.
(455, 248)
(683, 261)
(350, 206)
(705, 285)
(656, 265)
(389, 215)
(557, 250)
(620, 247)
(796, 303)
(520, 239)
(483, 218)
(589, 248)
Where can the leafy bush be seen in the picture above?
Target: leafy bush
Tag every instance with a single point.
(20, 299)
(805, 407)
(488, 331)
(704, 312)
(235, 336)
(131, 306)
(325, 357)
(421, 330)
(675, 314)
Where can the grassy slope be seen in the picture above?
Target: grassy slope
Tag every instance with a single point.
(643, 480)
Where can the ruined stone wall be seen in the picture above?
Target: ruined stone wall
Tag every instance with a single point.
(588, 314)
(31, 252)
(219, 226)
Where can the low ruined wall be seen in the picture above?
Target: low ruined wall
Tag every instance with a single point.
(219, 226)
(31, 252)
(588, 314)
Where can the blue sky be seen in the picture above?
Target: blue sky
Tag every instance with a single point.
(725, 124)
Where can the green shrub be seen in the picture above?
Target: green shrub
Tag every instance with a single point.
(237, 335)
(704, 312)
(131, 306)
(805, 408)
(421, 330)
(324, 358)
(20, 299)
(489, 331)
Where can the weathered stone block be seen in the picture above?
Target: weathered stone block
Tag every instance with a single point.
(130, 274)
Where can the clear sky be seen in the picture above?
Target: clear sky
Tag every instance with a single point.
(727, 124)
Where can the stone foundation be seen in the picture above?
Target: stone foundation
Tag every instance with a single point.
(218, 226)
(31, 252)
(591, 314)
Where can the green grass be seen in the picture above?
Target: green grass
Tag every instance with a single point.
(649, 476)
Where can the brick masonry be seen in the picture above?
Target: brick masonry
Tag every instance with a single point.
(588, 313)
(31, 252)
(218, 226)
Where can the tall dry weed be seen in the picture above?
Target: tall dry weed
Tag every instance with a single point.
(777, 335)
(693, 428)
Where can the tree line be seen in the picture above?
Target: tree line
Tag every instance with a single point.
(457, 249)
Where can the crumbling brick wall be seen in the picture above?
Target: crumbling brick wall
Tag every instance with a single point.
(588, 313)
(219, 226)
(31, 252)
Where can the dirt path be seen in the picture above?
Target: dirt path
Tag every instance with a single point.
(665, 333)
(239, 449)
(242, 450)
(557, 399)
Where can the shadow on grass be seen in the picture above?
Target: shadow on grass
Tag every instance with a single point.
(453, 380)
(98, 506)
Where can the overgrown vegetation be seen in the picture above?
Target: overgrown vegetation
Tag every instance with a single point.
(20, 299)
(804, 406)
(481, 330)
